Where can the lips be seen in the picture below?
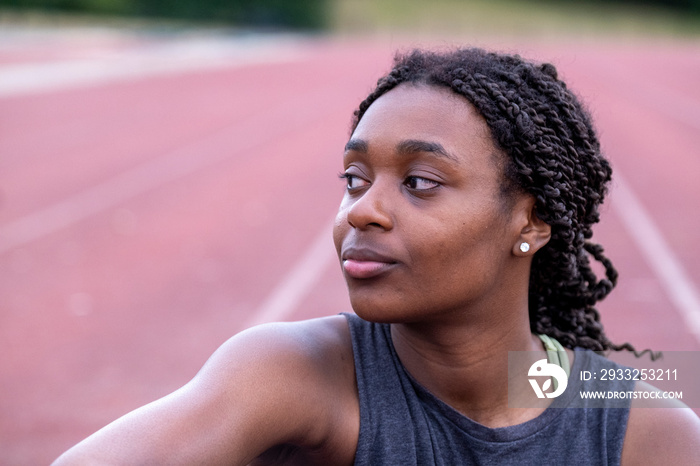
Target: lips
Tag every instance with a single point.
(364, 263)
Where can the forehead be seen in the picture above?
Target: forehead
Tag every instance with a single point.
(426, 113)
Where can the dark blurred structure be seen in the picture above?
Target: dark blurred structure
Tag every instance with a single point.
(692, 6)
(296, 14)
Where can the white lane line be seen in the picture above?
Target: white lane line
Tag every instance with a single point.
(659, 255)
(149, 60)
(298, 282)
(143, 178)
(237, 140)
(99, 198)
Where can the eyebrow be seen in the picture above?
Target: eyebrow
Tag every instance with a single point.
(414, 146)
(357, 145)
(405, 147)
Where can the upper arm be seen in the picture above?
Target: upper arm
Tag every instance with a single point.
(265, 386)
(662, 435)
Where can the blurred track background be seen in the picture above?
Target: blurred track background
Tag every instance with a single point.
(166, 184)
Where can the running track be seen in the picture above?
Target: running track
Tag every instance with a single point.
(158, 195)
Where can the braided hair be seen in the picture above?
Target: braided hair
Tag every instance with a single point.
(554, 155)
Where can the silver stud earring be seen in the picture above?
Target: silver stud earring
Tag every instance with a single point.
(524, 247)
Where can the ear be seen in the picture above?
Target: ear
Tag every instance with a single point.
(534, 232)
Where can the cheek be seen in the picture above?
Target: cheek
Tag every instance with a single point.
(340, 226)
(467, 244)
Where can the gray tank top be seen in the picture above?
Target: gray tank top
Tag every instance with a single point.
(401, 423)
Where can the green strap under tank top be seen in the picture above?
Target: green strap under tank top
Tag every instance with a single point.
(556, 354)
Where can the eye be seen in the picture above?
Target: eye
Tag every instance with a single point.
(353, 181)
(418, 183)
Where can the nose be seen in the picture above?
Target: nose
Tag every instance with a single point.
(371, 209)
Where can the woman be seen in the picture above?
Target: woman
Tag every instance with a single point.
(473, 181)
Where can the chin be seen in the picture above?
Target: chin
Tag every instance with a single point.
(372, 313)
(376, 317)
(381, 313)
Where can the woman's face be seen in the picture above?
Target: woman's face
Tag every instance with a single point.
(422, 229)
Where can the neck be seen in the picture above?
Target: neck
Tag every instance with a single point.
(465, 364)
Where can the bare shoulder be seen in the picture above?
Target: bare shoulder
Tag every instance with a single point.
(666, 434)
(299, 360)
(302, 375)
(285, 388)
(317, 345)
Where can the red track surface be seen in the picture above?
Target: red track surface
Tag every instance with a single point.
(123, 304)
